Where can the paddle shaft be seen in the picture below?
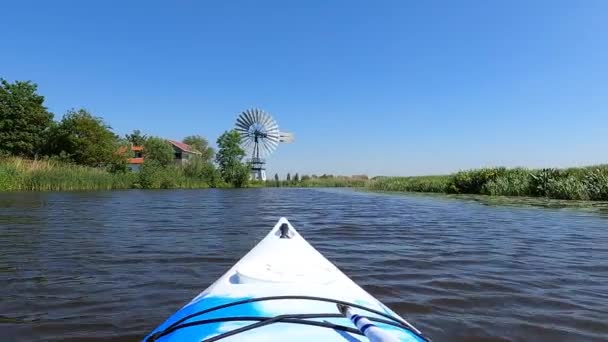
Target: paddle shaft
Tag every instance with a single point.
(369, 329)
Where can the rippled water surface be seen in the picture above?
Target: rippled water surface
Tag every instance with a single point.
(112, 265)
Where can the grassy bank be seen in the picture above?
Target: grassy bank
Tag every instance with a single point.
(18, 174)
(586, 183)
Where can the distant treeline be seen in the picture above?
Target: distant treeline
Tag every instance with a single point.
(314, 181)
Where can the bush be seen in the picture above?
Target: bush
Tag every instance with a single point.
(415, 184)
(596, 183)
(514, 182)
(473, 181)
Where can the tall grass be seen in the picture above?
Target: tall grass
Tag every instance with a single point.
(586, 183)
(410, 184)
(18, 174)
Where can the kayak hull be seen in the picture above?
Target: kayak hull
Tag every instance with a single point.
(296, 280)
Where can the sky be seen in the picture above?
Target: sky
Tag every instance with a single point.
(367, 87)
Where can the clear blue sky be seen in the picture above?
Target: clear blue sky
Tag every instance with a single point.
(387, 87)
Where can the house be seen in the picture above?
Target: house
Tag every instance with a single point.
(136, 158)
(183, 152)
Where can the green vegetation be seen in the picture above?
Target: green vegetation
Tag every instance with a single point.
(230, 159)
(324, 181)
(410, 184)
(158, 152)
(18, 174)
(24, 121)
(136, 138)
(83, 139)
(200, 144)
(81, 152)
(587, 183)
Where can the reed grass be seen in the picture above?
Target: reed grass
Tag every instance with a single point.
(585, 183)
(17, 174)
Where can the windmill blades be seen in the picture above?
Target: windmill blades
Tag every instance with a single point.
(254, 116)
(269, 145)
(245, 120)
(242, 125)
(260, 134)
(285, 137)
(258, 116)
(269, 124)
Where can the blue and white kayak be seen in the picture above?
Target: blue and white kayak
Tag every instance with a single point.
(284, 290)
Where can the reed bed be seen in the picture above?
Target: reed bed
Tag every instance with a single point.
(585, 183)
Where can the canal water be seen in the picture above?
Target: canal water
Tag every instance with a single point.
(101, 266)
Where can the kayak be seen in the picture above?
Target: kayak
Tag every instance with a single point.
(284, 290)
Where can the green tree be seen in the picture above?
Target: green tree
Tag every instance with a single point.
(24, 121)
(122, 154)
(204, 170)
(288, 177)
(296, 178)
(84, 139)
(229, 158)
(159, 151)
(202, 145)
(136, 138)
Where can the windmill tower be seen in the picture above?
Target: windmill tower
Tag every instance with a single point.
(260, 136)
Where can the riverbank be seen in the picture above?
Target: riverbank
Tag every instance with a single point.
(583, 184)
(17, 174)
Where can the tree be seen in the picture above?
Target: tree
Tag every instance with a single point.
(200, 144)
(197, 168)
(159, 151)
(288, 177)
(84, 139)
(229, 158)
(296, 178)
(136, 138)
(24, 121)
(276, 179)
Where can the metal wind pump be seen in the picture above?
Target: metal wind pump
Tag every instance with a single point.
(260, 136)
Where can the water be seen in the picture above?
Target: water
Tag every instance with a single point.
(100, 266)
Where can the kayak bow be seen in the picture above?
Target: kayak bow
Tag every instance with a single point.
(284, 290)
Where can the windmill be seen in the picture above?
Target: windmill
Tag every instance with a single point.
(260, 136)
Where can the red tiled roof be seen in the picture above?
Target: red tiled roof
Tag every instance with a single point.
(183, 147)
(123, 149)
(135, 160)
